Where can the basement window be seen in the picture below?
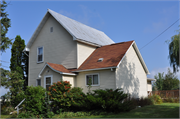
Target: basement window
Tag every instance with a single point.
(100, 59)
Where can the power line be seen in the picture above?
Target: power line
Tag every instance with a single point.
(160, 34)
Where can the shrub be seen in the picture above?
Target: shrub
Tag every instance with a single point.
(26, 115)
(171, 100)
(78, 98)
(72, 114)
(143, 101)
(60, 95)
(7, 109)
(156, 99)
(108, 100)
(35, 100)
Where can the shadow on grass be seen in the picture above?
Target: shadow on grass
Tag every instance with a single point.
(165, 110)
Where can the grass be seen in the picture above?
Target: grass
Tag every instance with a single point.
(7, 116)
(164, 110)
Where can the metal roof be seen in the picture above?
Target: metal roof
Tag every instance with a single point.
(79, 31)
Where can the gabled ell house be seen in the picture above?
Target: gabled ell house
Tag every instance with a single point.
(64, 49)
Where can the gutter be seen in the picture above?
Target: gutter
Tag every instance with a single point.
(94, 69)
(25, 53)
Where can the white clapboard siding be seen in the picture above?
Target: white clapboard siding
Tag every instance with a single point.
(59, 48)
(107, 79)
(71, 79)
(131, 76)
(83, 52)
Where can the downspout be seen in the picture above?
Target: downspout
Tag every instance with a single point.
(25, 53)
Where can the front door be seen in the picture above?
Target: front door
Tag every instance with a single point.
(48, 81)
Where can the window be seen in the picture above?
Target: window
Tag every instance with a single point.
(38, 82)
(40, 54)
(51, 29)
(149, 82)
(47, 82)
(93, 79)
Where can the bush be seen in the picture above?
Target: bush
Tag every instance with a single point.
(143, 101)
(72, 114)
(156, 99)
(78, 98)
(60, 95)
(26, 115)
(35, 100)
(171, 100)
(108, 100)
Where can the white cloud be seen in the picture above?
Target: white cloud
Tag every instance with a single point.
(161, 70)
(3, 91)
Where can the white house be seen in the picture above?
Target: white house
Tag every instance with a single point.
(64, 49)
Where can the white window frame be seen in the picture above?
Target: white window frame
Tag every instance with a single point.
(45, 80)
(42, 54)
(37, 82)
(92, 79)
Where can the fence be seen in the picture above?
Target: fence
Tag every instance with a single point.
(165, 93)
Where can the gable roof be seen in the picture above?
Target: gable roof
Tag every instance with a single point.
(57, 68)
(112, 56)
(79, 31)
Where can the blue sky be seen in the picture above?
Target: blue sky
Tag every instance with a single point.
(122, 21)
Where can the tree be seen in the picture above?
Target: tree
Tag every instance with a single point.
(14, 81)
(19, 60)
(4, 77)
(171, 81)
(159, 81)
(5, 24)
(167, 82)
(174, 52)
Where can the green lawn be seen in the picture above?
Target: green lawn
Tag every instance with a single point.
(165, 110)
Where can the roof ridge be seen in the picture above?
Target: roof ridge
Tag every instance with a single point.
(117, 43)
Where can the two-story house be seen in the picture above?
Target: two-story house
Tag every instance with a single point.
(64, 49)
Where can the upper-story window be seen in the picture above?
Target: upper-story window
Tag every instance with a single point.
(40, 54)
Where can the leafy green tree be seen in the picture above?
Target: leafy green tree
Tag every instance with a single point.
(19, 59)
(171, 81)
(5, 24)
(14, 81)
(174, 52)
(167, 82)
(158, 85)
(4, 73)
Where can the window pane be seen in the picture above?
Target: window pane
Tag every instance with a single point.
(39, 82)
(39, 57)
(95, 79)
(47, 87)
(48, 81)
(40, 51)
(88, 79)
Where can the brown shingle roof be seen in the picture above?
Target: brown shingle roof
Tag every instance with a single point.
(58, 67)
(111, 54)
